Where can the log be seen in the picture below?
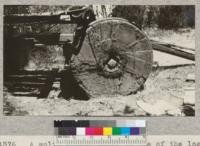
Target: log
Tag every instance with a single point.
(115, 59)
(73, 15)
(172, 45)
(44, 38)
(49, 19)
(31, 83)
(173, 51)
(41, 39)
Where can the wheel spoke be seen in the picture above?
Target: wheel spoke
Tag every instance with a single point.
(135, 42)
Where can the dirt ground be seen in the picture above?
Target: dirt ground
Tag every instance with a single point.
(164, 94)
(167, 92)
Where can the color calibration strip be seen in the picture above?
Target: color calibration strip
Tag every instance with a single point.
(100, 123)
(100, 128)
(101, 131)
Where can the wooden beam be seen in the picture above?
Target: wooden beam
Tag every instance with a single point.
(50, 19)
(173, 46)
(173, 51)
(43, 38)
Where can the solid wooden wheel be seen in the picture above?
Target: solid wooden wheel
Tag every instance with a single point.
(116, 58)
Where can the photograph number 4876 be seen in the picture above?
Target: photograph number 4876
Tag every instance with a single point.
(99, 60)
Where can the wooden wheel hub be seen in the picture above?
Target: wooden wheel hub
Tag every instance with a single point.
(112, 64)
